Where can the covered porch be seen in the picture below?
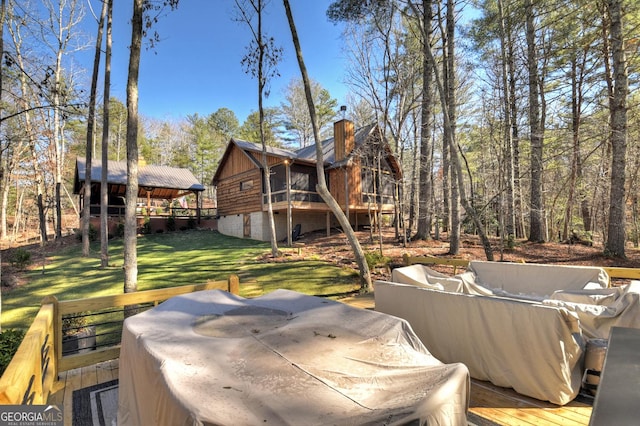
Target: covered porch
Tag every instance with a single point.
(163, 192)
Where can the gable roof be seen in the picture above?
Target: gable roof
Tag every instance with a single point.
(328, 146)
(305, 154)
(160, 181)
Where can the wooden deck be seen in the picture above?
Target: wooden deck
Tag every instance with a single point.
(81, 378)
(500, 405)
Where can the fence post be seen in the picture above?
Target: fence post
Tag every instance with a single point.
(57, 333)
(234, 284)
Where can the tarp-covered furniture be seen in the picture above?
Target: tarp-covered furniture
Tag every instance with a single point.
(516, 325)
(599, 310)
(284, 358)
(530, 280)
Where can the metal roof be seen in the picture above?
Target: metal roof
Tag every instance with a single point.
(254, 147)
(149, 176)
(328, 146)
(308, 153)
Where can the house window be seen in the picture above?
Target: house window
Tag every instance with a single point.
(246, 185)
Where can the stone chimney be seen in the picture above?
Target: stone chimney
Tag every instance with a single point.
(343, 138)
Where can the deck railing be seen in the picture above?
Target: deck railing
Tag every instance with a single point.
(176, 212)
(32, 372)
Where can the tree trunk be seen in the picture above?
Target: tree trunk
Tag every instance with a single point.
(38, 182)
(505, 47)
(415, 162)
(536, 231)
(4, 165)
(468, 207)
(57, 136)
(575, 153)
(515, 140)
(265, 164)
(449, 74)
(107, 9)
(130, 223)
(616, 229)
(365, 275)
(86, 211)
(426, 189)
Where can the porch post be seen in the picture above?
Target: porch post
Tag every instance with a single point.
(346, 192)
(328, 224)
(288, 183)
(198, 206)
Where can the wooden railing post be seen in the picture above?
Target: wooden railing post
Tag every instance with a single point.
(56, 335)
(234, 284)
(31, 374)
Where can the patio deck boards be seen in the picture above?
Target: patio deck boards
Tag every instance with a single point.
(500, 405)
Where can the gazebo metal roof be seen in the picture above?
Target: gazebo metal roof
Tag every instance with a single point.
(153, 181)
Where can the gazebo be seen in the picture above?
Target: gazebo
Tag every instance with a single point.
(154, 183)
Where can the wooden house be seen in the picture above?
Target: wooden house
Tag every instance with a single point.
(361, 172)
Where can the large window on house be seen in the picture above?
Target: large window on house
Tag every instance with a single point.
(303, 180)
(377, 185)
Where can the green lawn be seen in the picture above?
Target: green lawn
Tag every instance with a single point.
(168, 260)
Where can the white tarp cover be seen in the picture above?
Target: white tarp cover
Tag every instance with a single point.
(212, 358)
(507, 337)
(528, 347)
(534, 280)
(601, 309)
(579, 289)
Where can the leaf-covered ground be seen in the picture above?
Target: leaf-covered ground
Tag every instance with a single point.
(335, 248)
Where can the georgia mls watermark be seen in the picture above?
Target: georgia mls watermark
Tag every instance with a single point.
(31, 415)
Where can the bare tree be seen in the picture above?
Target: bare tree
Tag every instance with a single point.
(131, 192)
(447, 31)
(140, 23)
(104, 187)
(28, 102)
(261, 61)
(63, 18)
(468, 207)
(4, 175)
(86, 210)
(322, 188)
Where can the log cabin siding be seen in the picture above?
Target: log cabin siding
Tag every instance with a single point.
(241, 167)
(337, 185)
(355, 183)
(237, 162)
(295, 170)
(338, 188)
(233, 199)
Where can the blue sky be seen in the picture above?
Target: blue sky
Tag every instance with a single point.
(196, 67)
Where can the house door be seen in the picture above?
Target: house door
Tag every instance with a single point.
(246, 225)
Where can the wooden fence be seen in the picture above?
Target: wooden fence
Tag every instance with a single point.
(30, 375)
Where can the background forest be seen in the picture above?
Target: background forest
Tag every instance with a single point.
(511, 118)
